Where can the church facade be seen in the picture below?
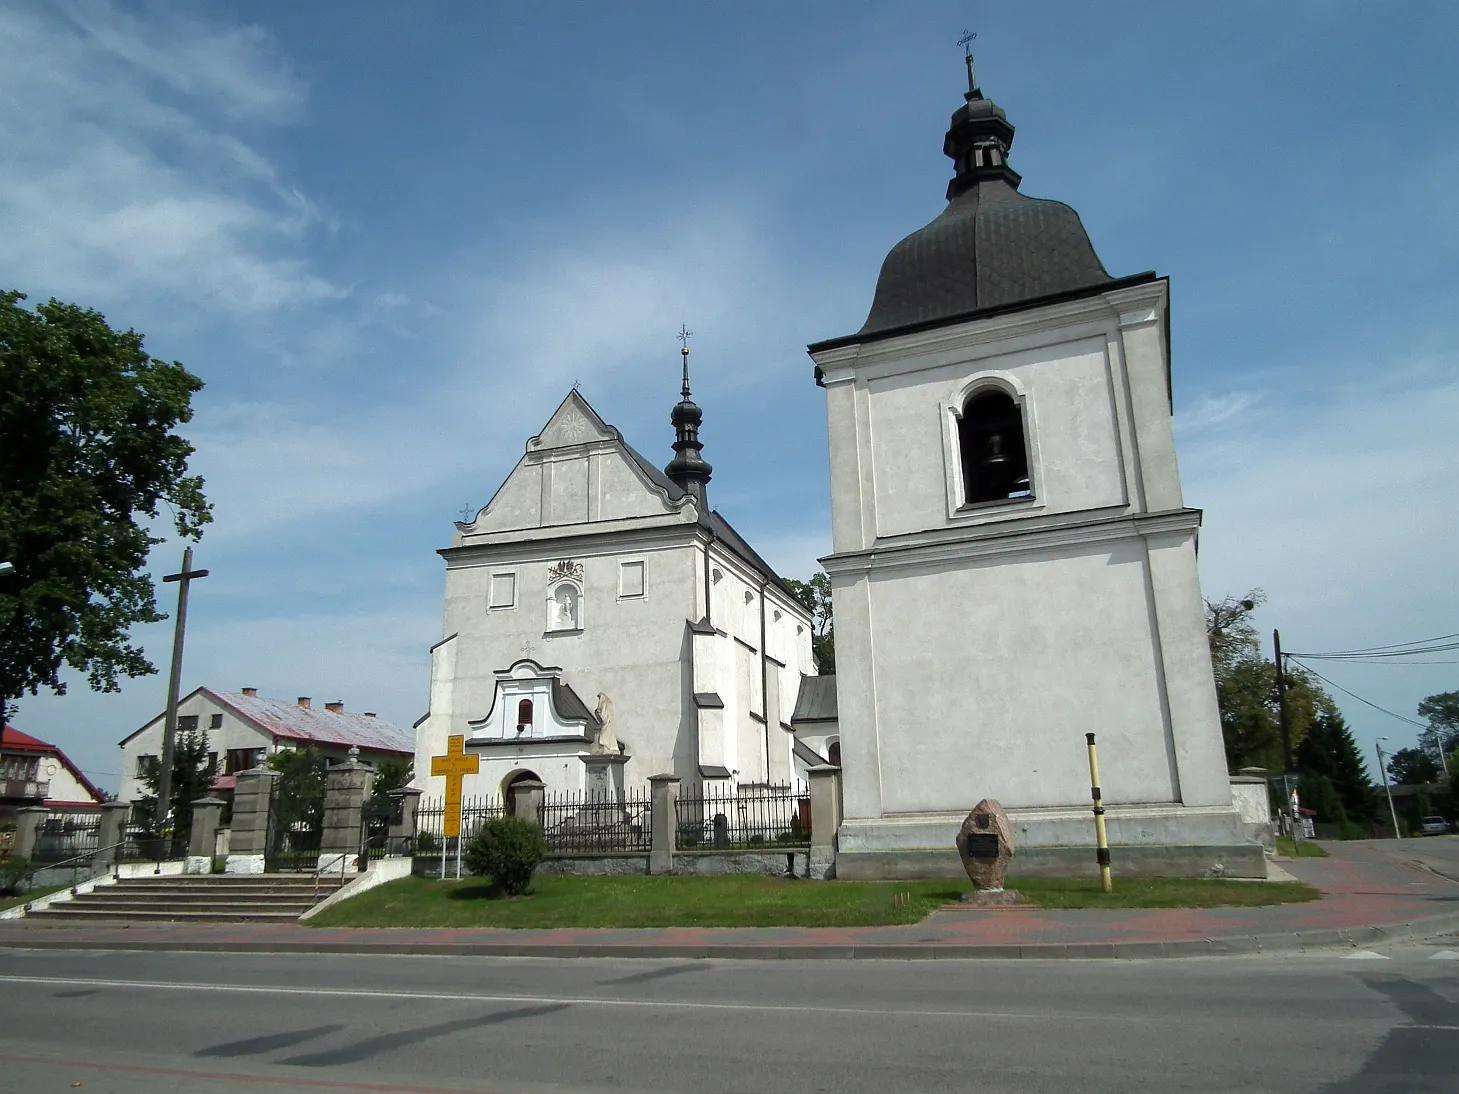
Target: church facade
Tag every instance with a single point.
(603, 624)
(1013, 564)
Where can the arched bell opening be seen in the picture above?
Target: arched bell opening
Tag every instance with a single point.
(994, 453)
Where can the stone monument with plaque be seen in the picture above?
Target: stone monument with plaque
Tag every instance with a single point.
(985, 845)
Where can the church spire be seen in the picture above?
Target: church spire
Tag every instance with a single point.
(979, 137)
(687, 469)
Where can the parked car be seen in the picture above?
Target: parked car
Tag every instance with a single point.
(1433, 826)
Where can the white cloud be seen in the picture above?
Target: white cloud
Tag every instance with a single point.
(121, 177)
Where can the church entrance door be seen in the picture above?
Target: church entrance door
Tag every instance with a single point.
(508, 798)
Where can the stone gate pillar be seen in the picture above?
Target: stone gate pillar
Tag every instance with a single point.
(207, 812)
(527, 800)
(252, 796)
(109, 834)
(28, 823)
(664, 791)
(346, 786)
(825, 819)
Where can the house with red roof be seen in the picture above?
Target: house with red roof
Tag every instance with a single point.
(33, 772)
(244, 728)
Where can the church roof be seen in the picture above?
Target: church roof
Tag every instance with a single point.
(816, 701)
(992, 249)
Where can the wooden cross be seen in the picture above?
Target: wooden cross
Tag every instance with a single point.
(454, 764)
(184, 579)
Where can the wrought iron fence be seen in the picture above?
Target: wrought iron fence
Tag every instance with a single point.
(743, 818)
(430, 820)
(588, 823)
(141, 844)
(64, 836)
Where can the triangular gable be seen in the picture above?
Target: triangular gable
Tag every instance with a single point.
(554, 485)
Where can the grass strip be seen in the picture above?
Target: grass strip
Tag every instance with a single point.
(1291, 848)
(29, 895)
(750, 900)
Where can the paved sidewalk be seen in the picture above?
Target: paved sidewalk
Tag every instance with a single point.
(1371, 896)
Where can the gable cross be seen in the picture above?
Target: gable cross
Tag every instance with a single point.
(454, 764)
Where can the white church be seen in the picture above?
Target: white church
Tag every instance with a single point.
(604, 624)
(1013, 566)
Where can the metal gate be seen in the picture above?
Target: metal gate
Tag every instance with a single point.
(295, 831)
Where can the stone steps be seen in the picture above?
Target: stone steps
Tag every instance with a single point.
(197, 898)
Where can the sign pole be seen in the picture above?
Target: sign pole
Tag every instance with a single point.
(453, 765)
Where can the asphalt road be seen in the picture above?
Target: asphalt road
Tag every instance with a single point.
(1439, 853)
(1298, 1024)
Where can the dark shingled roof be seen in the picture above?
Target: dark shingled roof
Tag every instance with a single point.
(816, 701)
(991, 247)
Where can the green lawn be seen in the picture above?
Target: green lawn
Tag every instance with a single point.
(29, 895)
(1305, 849)
(750, 900)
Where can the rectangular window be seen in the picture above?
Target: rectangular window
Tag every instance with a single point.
(212, 761)
(19, 767)
(187, 723)
(215, 722)
(146, 765)
(241, 759)
(630, 579)
(503, 592)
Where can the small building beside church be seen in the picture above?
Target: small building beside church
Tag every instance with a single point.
(604, 624)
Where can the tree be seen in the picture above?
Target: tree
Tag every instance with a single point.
(87, 446)
(1329, 750)
(815, 595)
(192, 778)
(392, 773)
(1246, 688)
(301, 785)
(1413, 767)
(1441, 711)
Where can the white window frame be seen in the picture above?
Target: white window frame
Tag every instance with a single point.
(623, 566)
(516, 590)
(958, 509)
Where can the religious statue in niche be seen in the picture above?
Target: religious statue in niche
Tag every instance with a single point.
(565, 608)
(606, 741)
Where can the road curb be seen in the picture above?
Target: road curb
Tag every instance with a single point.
(1324, 938)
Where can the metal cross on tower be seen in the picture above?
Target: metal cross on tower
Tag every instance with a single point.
(169, 730)
(966, 41)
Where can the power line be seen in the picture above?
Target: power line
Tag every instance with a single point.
(1397, 649)
(1359, 698)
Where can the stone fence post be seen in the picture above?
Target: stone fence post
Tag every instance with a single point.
(252, 798)
(401, 839)
(527, 800)
(207, 812)
(28, 823)
(664, 791)
(109, 834)
(825, 819)
(346, 786)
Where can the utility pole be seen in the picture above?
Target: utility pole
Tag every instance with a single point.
(1286, 733)
(6, 570)
(169, 730)
(1397, 833)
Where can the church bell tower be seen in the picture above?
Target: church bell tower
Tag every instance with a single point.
(1014, 565)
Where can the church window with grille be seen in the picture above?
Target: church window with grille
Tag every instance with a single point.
(993, 451)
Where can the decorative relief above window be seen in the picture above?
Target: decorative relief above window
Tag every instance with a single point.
(565, 570)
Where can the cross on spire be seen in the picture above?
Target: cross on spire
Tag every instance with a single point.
(683, 336)
(966, 41)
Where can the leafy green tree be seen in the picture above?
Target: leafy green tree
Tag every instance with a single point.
(1330, 751)
(1441, 711)
(301, 785)
(192, 778)
(815, 595)
(1413, 767)
(1246, 688)
(1318, 794)
(87, 447)
(392, 773)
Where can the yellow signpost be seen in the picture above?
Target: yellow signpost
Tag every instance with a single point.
(454, 764)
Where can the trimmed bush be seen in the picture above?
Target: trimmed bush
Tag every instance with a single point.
(13, 872)
(507, 850)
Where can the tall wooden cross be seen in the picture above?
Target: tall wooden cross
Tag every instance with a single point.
(454, 764)
(169, 727)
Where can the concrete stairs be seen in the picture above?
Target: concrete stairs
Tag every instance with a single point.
(198, 898)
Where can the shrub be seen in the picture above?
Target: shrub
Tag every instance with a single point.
(13, 872)
(507, 850)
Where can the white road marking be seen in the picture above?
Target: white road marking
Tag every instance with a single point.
(1445, 955)
(1365, 955)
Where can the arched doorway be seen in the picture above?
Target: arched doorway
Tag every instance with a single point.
(833, 753)
(521, 775)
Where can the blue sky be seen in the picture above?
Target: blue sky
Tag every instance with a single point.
(390, 237)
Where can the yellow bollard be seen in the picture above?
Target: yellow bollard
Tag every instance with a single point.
(1101, 841)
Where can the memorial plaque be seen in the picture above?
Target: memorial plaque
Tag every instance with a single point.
(985, 844)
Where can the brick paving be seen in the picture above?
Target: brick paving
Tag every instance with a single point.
(1369, 896)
